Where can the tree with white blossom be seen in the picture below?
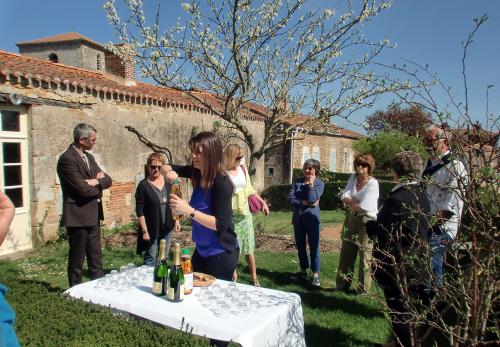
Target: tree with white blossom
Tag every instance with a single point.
(288, 57)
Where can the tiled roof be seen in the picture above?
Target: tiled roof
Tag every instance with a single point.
(15, 66)
(71, 36)
(36, 71)
(321, 129)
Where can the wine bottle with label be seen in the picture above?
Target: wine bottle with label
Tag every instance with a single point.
(187, 268)
(175, 287)
(161, 270)
(176, 189)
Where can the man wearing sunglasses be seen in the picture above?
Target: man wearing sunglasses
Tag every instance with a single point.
(82, 183)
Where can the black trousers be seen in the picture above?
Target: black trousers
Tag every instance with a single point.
(84, 241)
(221, 266)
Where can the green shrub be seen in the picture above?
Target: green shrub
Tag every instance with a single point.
(41, 308)
(329, 176)
(277, 195)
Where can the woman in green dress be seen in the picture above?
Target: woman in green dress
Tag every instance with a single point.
(242, 218)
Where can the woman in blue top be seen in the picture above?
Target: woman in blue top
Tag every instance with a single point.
(304, 197)
(210, 209)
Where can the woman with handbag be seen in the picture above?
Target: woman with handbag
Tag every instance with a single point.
(304, 196)
(360, 196)
(245, 199)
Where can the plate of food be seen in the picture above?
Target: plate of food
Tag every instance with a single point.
(202, 280)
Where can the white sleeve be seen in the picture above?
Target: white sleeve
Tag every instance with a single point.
(346, 193)
(368, 199)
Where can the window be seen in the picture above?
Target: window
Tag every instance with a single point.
(270, 171)
(12, 172)
(98, 62)
(332, 161)
(10, 121)
(53, 58)
(316, 153)
(348, 160)
(305, 154)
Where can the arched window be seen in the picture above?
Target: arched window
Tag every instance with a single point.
(98, 62)
(305, 154)
(332, 163)
(53, 58)
(316, 153)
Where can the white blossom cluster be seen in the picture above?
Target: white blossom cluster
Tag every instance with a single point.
(271, 52)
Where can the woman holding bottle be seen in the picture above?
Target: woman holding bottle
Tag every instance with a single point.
(242, 218)
(360, 196)
(153, 213)
(209, 208)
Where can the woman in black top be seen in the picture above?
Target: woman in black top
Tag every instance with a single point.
(209, 208)
(153, 211)
(402, 261)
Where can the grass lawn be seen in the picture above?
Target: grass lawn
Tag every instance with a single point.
(46, 318)
(281, 222)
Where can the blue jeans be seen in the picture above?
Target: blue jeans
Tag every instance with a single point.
(7, 335)
(311, 231)
(151, 253)
(439, 242)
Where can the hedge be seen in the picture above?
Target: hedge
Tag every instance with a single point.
(277, 195)
(44, 317)
(329, 176)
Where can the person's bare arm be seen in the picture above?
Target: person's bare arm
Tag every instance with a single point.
(7, 211)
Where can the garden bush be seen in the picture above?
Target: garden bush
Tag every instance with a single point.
(277, 195)
(329, 176)
(95, 325)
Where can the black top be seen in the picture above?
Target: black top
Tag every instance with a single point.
(222, 192)
(401, 229)
(148, 204)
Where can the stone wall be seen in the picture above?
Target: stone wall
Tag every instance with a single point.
(117, 151)
(278, 159)
(324, 145)
(68, 53)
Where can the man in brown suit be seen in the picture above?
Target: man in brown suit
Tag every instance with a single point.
(82, 183)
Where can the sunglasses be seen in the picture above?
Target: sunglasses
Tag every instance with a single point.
(362, 164)
(155, 167)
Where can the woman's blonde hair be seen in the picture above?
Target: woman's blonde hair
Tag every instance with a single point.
(231, 152)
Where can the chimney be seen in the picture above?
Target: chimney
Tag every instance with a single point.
(122, 63)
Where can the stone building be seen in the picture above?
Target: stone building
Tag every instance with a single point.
(331, 146)
(63, 80)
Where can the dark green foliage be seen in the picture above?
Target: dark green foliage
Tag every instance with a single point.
(386, 145)
(329, 176)
(41, 308)
(277, 195)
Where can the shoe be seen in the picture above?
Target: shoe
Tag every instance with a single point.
(255, 282)
(315, 282)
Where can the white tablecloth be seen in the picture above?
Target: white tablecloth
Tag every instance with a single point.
(279, 322)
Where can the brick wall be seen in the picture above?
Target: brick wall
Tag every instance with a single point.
(118, 203)
(121, 67)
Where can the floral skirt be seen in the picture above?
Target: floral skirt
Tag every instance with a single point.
(243, 226)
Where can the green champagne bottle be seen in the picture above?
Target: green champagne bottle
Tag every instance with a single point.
(175, 287)
(161, 269)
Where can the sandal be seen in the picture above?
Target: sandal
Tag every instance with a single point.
(255, 282)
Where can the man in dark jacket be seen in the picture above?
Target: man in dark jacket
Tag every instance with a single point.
(82, 183)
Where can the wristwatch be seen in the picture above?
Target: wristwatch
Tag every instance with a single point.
(191, 215)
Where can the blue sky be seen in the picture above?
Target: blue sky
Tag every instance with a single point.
(425, 31)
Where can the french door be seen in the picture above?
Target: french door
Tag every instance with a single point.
(14, 176)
